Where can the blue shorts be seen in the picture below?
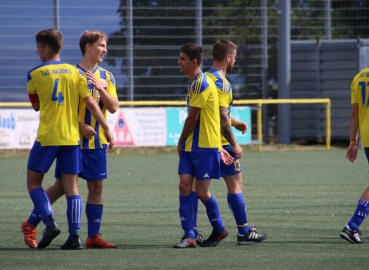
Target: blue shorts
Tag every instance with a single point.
(94, 165)
(366, 150)
(202, 165)
(41, 158)
(232, 169)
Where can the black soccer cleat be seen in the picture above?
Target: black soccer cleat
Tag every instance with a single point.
(199, 239)
(214, 238)
(251, 237)
(353, 236)
(49, 234)
(72, 245)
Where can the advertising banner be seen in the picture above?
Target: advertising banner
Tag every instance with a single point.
(139, 126)
(177, 116)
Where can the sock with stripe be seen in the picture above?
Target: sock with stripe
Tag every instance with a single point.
(186, 215)
(360, 214)
(238, 207)
(42, 205)
(212, 210)
(74, 215)
(94, 218)
(34, 218)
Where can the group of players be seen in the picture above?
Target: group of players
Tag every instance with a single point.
(73, 99)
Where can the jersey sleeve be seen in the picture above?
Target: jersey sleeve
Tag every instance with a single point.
(111, 88)
(83, 89)
(31, 88)
(223, 99)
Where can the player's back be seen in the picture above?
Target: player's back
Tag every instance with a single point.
(360, 95)
(58, 86)
(203, 94)
(224, 93)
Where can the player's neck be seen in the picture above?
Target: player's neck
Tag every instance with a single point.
(55, 57)
(191, 75)
(87, 64)
(220, 66)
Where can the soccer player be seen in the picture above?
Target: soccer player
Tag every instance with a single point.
(199, 149)
(55, 89)
(93, 45)
(359, 120)
(224, 57)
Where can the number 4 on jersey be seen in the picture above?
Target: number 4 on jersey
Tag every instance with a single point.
(57, 96)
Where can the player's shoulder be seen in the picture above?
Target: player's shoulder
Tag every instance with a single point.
(51, 67)
(364, 73)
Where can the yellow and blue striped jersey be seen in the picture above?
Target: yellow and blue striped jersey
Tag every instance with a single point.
(202, 94)
(59, 87)
(360, 95)
(106, 79)
(224, 92)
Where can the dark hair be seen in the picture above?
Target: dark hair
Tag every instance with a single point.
(221, 48)
(90, 37)
(193, 51)
(51, 38)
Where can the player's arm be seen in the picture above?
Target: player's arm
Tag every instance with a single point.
(227, 132)
(189, 126)
(87, 131)
(33, 98)
(239, 125)
(110, 103)
(354, 128)
(96, 112)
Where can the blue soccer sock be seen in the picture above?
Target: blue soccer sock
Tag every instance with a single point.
(360, 214)
(42, 205)
(74, 215)
(94, 218)
(238, 207)
(34, 218)
(186, 215)
(195, 206)
(212, 210)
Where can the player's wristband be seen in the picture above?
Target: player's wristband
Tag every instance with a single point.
(353, 142)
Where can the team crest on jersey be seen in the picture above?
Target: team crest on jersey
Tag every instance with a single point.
(104, 83)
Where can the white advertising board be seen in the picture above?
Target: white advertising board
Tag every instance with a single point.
(139, 126)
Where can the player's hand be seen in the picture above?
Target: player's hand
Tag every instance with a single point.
(241, 126)
(92, 79)
(87, 131)
(237, 150)
(225, 157)
(351, 152)
(109, 137)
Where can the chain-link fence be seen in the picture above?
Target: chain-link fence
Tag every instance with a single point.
(145, 37)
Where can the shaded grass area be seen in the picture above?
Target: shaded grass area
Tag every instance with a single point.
(302, 199)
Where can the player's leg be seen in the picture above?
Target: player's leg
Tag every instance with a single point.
(206, 168)
(94, 172)
(236, 201)
(351, 231)
(70, 164)
(185, 171)
(195, 205)
(39, 162)
(29, 226)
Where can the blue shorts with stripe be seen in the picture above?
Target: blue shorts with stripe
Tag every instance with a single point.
(202, 165)
(234, 167)
(69, 158)
(94, 165)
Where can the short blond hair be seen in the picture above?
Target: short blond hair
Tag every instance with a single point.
(90, 37)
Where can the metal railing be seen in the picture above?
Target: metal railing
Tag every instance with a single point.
(257, 102)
